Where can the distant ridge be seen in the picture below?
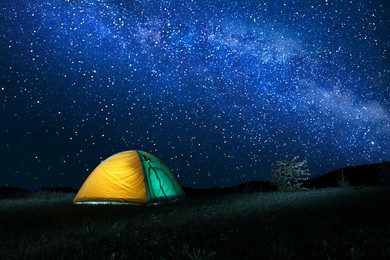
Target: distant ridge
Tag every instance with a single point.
(246, 187)
(59, 189)
(12, 192)
(362, 175)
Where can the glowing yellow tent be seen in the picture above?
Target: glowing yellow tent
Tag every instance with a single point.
(130, 177)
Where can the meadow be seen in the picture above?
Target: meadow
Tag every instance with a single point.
(333, 223)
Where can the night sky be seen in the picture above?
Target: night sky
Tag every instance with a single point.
(219, 90)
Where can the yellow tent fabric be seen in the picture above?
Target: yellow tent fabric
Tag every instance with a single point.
(130, 177)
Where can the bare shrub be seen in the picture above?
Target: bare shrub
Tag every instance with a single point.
(342, 181)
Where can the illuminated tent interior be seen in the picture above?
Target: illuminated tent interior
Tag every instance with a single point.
(134, 176)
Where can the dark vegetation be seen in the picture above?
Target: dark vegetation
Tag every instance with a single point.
(250, 221)
(355, 176)
(364, 175)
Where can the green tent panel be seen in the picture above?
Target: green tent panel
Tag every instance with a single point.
(160, 182)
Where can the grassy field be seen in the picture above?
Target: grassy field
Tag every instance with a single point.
(320, 224)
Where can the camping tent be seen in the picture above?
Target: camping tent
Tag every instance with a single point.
(130, 177)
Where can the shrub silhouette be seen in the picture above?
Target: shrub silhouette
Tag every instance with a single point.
(288, 175)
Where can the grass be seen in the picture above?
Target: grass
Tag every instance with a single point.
(322, 224)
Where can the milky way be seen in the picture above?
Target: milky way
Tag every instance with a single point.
(219, 90)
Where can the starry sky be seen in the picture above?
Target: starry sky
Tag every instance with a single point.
(219, 90)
